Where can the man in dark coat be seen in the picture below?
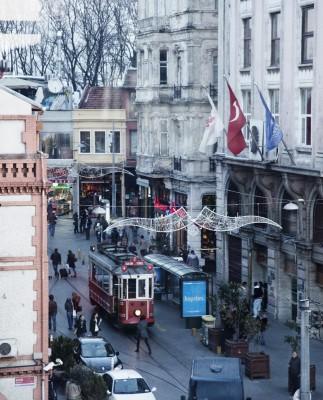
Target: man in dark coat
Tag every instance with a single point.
(142, 333)
(52, 312)
(71, 260)
(294, 372)
(88, 224)
(56, 259)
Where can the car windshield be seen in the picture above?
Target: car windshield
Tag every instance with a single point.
(130, 386)
(97, 349)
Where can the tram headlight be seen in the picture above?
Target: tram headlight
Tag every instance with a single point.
(137, 312)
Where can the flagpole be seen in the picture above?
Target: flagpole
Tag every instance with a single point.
(289, 152)
(255, 142)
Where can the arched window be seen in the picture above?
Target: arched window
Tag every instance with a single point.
(233, 200)
(288, 217)
(318, 221)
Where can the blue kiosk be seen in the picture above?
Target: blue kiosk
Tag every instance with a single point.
(184, 285)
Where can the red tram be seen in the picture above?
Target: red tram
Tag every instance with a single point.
(122, 284)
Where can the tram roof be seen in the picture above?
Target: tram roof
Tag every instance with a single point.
(173, 266)
(113, 262)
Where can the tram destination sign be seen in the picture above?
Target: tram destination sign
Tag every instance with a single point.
(194, 298)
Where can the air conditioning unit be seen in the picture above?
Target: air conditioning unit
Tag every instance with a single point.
(8, 348)
(256, 139)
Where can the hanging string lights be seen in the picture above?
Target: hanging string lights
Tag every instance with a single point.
(206, 219)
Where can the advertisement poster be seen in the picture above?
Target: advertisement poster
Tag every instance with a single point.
(194, 298)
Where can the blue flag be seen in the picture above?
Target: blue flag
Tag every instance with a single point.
(274, 134)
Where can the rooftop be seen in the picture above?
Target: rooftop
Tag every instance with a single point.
(101, 97)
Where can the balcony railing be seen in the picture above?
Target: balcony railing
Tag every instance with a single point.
(213, 92)
(177, 163)
(19, 171)
(177, 91)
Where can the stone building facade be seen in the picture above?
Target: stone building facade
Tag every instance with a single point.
(23, 251)
(274, 44)
(177, 64)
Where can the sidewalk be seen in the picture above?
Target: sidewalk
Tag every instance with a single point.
(172, 343)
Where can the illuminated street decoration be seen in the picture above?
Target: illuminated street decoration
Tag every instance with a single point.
(206, 219)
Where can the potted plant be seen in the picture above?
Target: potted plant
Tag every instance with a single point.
(257, 362)
(92, 386)
(62, 348)
(234, 313)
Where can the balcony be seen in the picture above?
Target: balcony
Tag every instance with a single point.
(20, 175)
(177, 163)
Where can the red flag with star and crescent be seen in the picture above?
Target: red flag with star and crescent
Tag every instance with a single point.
(237, 121)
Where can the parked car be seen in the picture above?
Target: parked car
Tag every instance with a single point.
(216, 378)
(97, 354)
(127, 384)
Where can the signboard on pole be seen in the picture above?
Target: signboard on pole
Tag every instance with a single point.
(194, 298)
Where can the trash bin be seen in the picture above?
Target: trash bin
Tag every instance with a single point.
(208, 322)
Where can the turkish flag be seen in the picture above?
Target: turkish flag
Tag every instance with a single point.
(237, 121)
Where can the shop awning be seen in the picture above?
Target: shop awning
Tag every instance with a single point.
(173, 266)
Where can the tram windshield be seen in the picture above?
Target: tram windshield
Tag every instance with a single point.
(141, 288)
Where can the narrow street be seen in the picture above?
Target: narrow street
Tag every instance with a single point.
(173, 346)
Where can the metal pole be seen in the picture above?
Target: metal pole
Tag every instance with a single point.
(114, 197)
(304, 306)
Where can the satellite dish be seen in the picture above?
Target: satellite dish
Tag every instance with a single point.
(55, 85)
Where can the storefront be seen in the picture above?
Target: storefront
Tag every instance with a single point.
(60, 197)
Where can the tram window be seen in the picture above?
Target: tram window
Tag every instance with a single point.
(93, 271)
(131, 288)
(142, 288)
(125, 288)
(150, 288)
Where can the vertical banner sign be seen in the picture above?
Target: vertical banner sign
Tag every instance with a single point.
(194, 298)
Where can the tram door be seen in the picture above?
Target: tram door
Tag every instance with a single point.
(115, 292)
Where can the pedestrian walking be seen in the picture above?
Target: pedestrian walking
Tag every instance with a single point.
(76, 222)
(52, 312)
(88, 224)
(193, 260)
(71, 260)
(80, 326)
(52, 218)
(115, 236)
(69, 312)
(56, 260)
(76, 300)
(184, 254)
(263, 319)
(132, 248)
(95, 323)
(142, 333)
(82, 221)
(143, 245)
(294, 373)
(257, 299)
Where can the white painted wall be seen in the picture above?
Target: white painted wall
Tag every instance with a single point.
(16, 231)
(13, 392)
(11, 137)
(12, 105)
(16, 309)
(19, 197)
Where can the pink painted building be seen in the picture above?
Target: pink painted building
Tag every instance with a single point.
(23, 251)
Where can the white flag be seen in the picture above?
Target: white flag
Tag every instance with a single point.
(213, 129)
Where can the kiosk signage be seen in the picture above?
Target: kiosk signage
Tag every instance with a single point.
(194, 298)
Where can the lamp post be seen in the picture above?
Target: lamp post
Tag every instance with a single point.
(114, 195)
(304, 308)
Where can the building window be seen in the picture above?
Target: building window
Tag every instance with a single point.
(246, 102)
(306, 115)
(307, 34)
(99, 141)
(246, 42)
(85, 142)
(275, 39)
(163, 67)
(115, 142)
(133, 142)
(57, 145)
(163, 138)
(274, 103)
